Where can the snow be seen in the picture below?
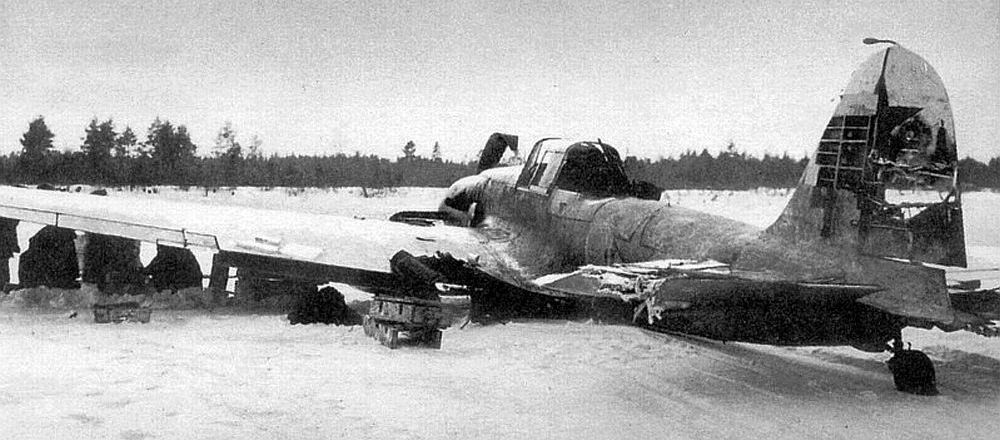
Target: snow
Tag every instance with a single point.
(233, 374)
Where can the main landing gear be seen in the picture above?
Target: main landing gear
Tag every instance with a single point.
(912, 370)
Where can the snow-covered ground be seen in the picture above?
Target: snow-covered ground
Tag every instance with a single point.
(234, 374)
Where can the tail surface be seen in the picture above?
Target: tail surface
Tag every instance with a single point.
(883, 179)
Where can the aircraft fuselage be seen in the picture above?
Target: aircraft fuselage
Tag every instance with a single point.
(562, 230)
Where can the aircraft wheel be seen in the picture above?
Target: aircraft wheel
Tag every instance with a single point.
(913, 372)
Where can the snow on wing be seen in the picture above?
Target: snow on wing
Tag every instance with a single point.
(325, 239)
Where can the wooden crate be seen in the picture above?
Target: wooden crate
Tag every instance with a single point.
(121, 312)
(388, 317)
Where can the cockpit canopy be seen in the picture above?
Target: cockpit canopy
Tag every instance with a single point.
(590, 168)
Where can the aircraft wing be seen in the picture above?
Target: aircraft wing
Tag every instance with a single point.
(333, 248)
(354, 248)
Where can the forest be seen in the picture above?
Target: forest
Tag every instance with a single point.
(167, 156)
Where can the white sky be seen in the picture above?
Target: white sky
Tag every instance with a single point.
(653, 78)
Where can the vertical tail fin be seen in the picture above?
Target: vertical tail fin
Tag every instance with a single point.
(883, 179)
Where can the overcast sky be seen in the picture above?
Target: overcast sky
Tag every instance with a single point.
(653, 78)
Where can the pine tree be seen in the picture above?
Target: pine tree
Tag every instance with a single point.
(228, 154)
(171, 150)
(409, 150)
(124, 151)
(436, 152)
(36, 143)
(97, 147)
(125, 144)
(226, 144)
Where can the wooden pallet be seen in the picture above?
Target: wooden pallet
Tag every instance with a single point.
(121, 312)
(421, 320)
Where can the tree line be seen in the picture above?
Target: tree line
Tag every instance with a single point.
(166, 155)
(729, 169)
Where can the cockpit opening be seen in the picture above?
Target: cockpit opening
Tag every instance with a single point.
(593, 169)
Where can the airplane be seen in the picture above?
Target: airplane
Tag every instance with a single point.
(568, 232)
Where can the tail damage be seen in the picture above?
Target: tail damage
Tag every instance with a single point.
(883, 180)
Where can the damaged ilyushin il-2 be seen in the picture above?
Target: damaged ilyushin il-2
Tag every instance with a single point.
(568, 233)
